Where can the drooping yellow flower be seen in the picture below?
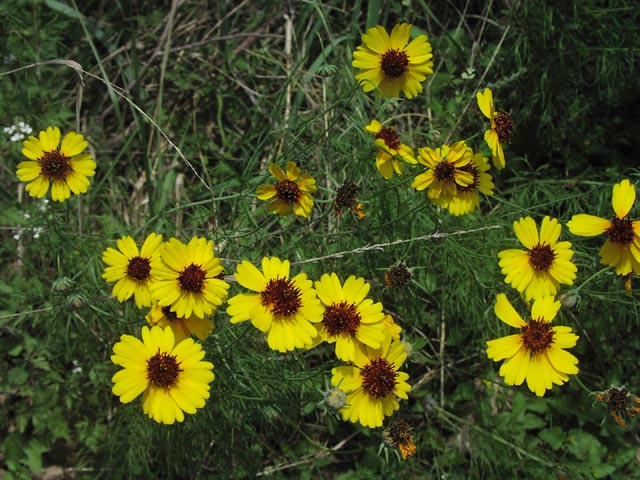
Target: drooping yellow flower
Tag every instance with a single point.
(285, 309)
(546, 263)
(171, 376)
(467, 198)
(622, 247)
(447, 171)
(65, 167)
(131, 269)
(290, 192)
(501, 127)
(350, 320)
(373, 386)
(536, 354)
(182, 327)
(391, 63)
(391, 151)
(187, 278)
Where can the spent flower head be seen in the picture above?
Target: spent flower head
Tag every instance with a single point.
(400, 435)
(621, 403)
(346, 198)
(398, 276)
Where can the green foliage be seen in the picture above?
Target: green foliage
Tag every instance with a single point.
(185, 110)
(575, 105)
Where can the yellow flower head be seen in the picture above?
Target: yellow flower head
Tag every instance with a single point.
(536, 354)
(187, 278)
(447, 171)
(622, 247)
(501, 127)
(171, 376)
(392, 63)
(182, 327)
(391, 151)
(131, 269)
(285, 309)
(546, 263)
(63, 165)
(290, 192)
(350, 320)
(373, 386)
(467, 198)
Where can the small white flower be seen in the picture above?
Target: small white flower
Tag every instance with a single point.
(25, 128)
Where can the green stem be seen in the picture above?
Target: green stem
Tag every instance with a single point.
(592, 277)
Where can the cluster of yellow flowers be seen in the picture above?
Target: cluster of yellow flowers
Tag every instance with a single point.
(183, 284)
(537, 353)
(453, 175)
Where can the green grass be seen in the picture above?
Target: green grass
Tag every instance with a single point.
(184, 112)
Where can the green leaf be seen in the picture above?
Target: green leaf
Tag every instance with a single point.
(63, 9)
(17, 376)
(532, 421)
(34, 452)
(554, 436)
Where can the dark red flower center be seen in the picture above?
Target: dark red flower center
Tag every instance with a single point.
(378, 378)
(621, 231)
(139, 269)
(541, 257)
(444, 172)
(341, 319)
(163, 370)
(192, 279)
(390, 137)
(169, 315)
(288, 191)
(537, 336)
(394, 63)
(504, 126)
(55, 165)
(282, 297)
